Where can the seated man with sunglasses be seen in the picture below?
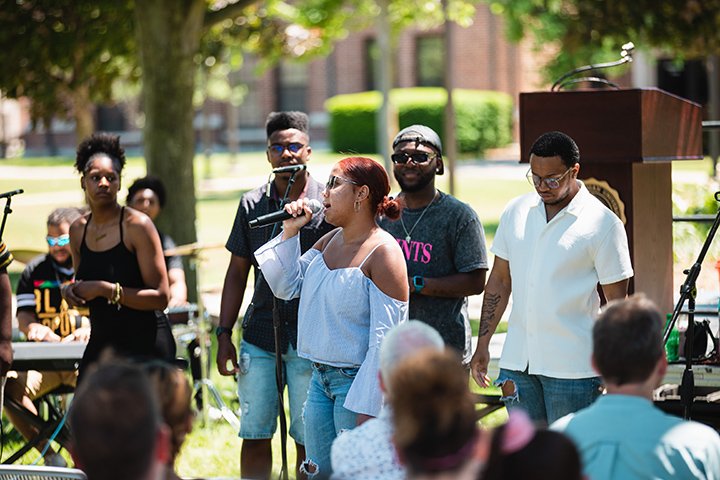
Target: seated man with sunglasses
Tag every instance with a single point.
(442, 239)
(43, 316)
(552, 248)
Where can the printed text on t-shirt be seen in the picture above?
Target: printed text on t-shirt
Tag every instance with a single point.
(416, 251)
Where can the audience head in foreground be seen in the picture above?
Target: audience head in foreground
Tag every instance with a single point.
(118, 432)
(622, 434)
(404, 341)
(436, 431)
(518, 450)
(174, 395)
(367, 451)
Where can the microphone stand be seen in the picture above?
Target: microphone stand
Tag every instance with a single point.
(8, 210)
(625, 57)
(688, 292)
(278, 355)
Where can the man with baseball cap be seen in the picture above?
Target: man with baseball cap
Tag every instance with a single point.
(442, 239)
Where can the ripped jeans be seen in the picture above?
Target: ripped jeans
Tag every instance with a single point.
(257, 392)
(325, 416)
(546, 399)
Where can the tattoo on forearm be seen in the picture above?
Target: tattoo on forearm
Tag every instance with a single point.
(490, 305)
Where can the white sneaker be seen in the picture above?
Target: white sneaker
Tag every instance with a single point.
(55, 460)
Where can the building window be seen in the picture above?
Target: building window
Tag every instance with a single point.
(429, 52)
(292, 80)
(250, 112)
(371, 54)
(372, 57)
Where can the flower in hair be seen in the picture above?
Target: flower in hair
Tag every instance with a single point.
(519, 431)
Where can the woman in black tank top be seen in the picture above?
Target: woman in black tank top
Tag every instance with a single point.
(118, 260)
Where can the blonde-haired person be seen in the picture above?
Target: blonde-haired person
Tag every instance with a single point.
(353, 288)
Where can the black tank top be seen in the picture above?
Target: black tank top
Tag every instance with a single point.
(130, 332)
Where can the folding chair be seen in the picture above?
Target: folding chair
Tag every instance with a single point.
(46, 426)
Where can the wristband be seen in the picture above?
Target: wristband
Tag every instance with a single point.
(220, 330)
(6, 257)
(418, 283)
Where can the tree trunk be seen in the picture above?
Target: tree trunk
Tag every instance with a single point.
(168, 33)
(449, 125)
(83, 110)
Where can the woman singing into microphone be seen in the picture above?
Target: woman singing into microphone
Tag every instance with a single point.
(353, 288)
(118, 260)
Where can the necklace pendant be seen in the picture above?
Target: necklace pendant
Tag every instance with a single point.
(101, 236)
(407, 239)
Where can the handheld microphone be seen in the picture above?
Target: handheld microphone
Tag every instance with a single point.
(276, 217)
(290, 169)
(11, 193)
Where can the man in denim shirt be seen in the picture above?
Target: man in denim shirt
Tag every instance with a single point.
(623, 435)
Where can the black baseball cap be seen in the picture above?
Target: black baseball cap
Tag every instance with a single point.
(419, 134)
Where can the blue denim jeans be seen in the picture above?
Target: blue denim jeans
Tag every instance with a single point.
(325, 415)
(257, 392)
(546, 399)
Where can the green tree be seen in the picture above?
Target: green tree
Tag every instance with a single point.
(65, 55)
(587, 31)
(175, 37)
(69, 52)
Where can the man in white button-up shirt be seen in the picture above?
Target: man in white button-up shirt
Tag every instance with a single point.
(551, 252)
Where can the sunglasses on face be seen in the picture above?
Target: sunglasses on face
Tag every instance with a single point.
(333, 182)
(418, 158)
(60, 241)
(278, 149)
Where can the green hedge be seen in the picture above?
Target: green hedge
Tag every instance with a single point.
(483, 118)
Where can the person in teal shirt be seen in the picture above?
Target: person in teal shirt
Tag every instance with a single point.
(623, 435)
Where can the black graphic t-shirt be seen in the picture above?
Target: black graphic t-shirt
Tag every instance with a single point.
(445, 240)
(39, 291)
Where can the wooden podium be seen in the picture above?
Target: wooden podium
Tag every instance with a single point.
(627, 139)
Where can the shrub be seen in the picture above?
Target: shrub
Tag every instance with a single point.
(483, 118)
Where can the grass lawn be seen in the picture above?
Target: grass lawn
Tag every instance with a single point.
(213, 450)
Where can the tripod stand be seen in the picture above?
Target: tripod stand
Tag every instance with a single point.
(688, 292)
(200, 325)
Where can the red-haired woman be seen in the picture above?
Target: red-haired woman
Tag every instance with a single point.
(353, 288)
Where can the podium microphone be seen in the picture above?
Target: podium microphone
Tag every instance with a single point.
(276, 217)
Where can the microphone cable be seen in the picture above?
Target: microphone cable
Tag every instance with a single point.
(52, 437)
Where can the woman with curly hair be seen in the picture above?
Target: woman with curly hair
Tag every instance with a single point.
(353, 288)
(118, 260)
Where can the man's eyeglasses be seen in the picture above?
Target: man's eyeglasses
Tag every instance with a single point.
(332, 182)
(278, 149)
(550, 182)
(418, 158)
(60, 241)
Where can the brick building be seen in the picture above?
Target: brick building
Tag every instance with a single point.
(482, 59)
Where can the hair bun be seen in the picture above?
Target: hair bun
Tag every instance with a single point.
(390, 208)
